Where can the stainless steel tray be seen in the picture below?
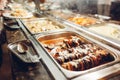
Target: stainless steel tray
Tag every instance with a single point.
(108, 30)
(30, 56)
(80, 19)
(43, 25)
(73, 74)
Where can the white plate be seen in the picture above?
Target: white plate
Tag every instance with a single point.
(10, 16)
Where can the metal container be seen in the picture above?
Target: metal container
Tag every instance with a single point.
(84, 20)
(80, 19)
(29, 56)
(43, 25)
(108, 30)
(54, 38)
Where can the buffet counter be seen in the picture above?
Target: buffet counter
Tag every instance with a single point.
(43, 70)
(57, 46)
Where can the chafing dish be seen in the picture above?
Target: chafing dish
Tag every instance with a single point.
(109, 30)
(55, 40)
(80, 19)
(42, 25)
(84, 21)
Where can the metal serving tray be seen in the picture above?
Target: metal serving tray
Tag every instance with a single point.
(45, 24)
(72, 74)
(80, 19)
(108, 30)
(30, 56)
(84, 20)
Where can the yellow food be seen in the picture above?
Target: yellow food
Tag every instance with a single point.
(83, 21)
(19, 13)
(40, 26)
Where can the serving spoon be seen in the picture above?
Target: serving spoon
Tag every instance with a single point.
(22, 48)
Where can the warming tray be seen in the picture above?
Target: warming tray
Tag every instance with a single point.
(61, 45)
(30, 56)
(43, 25)
(83, 20)
(109, 30)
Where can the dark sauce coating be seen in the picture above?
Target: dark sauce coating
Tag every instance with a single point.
(77, 55)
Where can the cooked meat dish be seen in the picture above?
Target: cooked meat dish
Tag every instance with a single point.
(75, 54)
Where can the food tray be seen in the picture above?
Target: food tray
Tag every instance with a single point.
(80, 19)
(65, 62)
(43, 25)
(109, 30)
(30, 56)
(84, 21)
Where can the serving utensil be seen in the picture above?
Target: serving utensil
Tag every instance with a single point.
(22, 48)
